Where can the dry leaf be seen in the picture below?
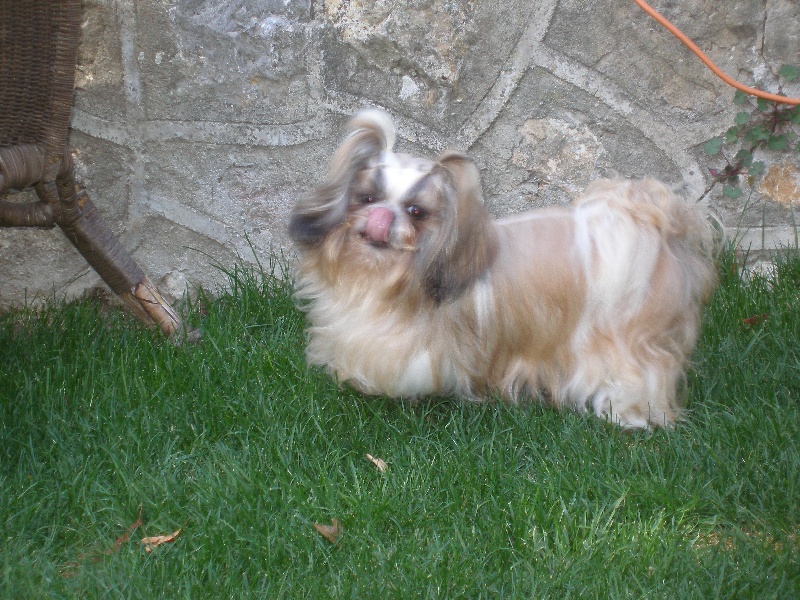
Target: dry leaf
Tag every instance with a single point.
(70, 569)
(331, 532)
(756, 319)
(379, 464)
(154, 542)
(125, 536)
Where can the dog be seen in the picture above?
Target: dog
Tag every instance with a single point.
(411, 289)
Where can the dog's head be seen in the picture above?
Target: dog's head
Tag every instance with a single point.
(386, 208)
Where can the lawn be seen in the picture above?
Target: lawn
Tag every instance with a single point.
(110, 434)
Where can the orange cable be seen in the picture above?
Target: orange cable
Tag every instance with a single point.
(708, 62)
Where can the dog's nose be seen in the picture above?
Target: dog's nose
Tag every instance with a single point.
(379, 224)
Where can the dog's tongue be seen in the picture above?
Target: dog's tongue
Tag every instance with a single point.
(379, 221)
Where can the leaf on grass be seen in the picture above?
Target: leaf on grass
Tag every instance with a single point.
(379, 464)
(125, 536)
(331, 532)
(70, 569)
(756, 319)
(150, 543)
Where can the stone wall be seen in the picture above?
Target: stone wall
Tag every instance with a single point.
(197, 123)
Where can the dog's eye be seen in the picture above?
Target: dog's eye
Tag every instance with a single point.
(367, 199)
(416, 212)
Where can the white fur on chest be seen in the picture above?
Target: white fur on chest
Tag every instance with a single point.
(363, 344)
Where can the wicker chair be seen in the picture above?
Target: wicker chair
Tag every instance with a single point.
(38, 50)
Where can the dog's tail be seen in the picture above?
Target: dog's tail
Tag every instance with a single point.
(684, 229)
(649, 201)
(644, 249)
(649, 264)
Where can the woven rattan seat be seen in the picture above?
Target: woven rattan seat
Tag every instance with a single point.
(38, 51)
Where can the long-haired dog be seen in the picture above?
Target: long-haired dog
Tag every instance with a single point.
(410, 288)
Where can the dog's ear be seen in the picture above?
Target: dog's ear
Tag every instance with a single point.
(371, 132)
(466, 244)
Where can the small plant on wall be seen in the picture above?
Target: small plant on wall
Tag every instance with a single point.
(759, 125)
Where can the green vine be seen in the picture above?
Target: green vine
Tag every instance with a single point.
(760, 125)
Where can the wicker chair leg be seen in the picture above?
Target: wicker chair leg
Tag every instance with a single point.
(83, 225)
(146, 302)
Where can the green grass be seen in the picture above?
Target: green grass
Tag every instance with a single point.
(237, 443)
